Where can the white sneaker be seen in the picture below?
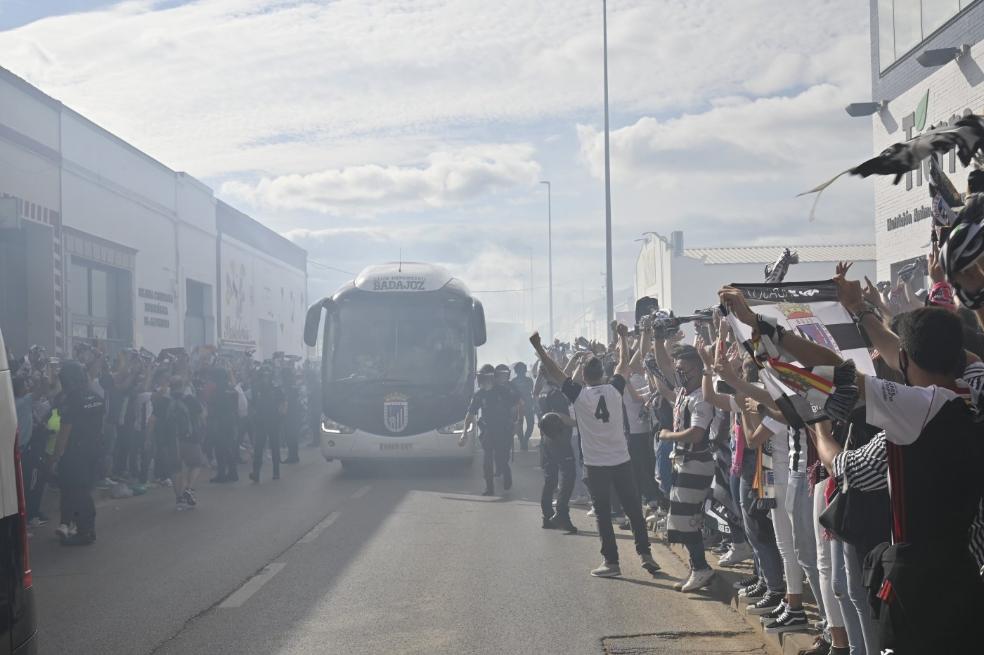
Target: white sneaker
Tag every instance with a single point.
(698, 580)
(737, 554)
(591, 513)
(63, 531)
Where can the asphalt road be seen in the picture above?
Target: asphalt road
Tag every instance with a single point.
(401, 560)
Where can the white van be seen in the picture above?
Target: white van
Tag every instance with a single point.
(18, 621)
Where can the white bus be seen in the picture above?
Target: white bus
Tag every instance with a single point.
(18, 618)
(398, 363)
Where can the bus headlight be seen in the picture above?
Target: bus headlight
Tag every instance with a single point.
(333, 427)
(456, 428)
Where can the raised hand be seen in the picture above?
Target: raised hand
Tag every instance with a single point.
(704, 351)
(535, 340)
(849, 294)
(936, 272)
(843, 268)
(734, 300)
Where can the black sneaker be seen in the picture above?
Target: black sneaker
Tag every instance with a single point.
(820, 647)
(548, 524)
(488, 492)
(769, 617)
(766, 604)
(756, 590)
(789, 621)
(721, 548)
(746, 582)
(563, 523)
(189, 498)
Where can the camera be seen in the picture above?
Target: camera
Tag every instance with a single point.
(724, 388)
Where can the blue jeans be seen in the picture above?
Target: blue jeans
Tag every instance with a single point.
(758, 530)
(867, 639)
(799, 505)
(737, 535)
(664, 467)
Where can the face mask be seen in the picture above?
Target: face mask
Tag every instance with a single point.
(686, 377)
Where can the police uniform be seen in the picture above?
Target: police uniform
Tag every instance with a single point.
(78, 467)
(496, 406)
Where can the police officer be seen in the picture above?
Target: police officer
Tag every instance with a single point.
(269, 405)
(523, 384)
(77, 452)
(222, 402)
(499, 406)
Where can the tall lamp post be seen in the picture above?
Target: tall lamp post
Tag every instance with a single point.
(549, 261)
(609, 290)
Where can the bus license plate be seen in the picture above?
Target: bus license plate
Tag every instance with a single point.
(395, 446)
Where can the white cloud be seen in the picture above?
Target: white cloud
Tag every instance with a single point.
(218, 86)
(730, 173)
(365, 127)
(446, 178)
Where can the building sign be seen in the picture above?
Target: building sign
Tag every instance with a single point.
(156, 310)
(908, 218)
(237, 303)
(399, 283)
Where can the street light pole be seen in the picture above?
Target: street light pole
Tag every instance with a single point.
(549, 261)
(609, 290)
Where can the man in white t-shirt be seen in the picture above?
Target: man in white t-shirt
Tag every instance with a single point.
(598, 411)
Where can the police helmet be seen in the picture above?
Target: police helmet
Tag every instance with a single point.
(503, 371)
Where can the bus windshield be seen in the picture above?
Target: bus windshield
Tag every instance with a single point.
(402, 340)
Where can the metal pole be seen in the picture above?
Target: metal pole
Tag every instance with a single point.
(609, 290)
(549, 260)
(532, 302)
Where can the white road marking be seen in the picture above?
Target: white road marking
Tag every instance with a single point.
(253, 585)
(316, 531)
(362, 491)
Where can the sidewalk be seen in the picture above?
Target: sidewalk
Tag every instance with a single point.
(722, 589)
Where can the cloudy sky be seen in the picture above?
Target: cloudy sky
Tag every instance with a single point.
(363, 128)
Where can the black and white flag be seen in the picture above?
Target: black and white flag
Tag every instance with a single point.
(966, 135)
(809, 310)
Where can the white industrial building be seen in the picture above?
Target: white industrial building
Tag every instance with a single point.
(101, 242)
(918, 96)
(685, 279)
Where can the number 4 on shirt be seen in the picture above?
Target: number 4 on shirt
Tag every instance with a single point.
(601, 411)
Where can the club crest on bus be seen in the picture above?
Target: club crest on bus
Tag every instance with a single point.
(396, 412)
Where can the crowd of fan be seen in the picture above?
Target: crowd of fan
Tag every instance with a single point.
(139, 420)
(875, 505)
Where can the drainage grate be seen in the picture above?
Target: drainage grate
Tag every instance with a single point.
(684, 643)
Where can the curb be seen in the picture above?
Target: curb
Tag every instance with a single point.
(721, 589)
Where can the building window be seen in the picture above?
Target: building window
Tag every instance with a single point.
(100, 304)
(904, 24)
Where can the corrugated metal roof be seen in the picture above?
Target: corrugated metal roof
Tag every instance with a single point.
(768, 254)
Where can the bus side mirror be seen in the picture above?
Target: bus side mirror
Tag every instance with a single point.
(312, 322)
(478, 323)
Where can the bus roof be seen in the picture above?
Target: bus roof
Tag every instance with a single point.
(407, 277)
